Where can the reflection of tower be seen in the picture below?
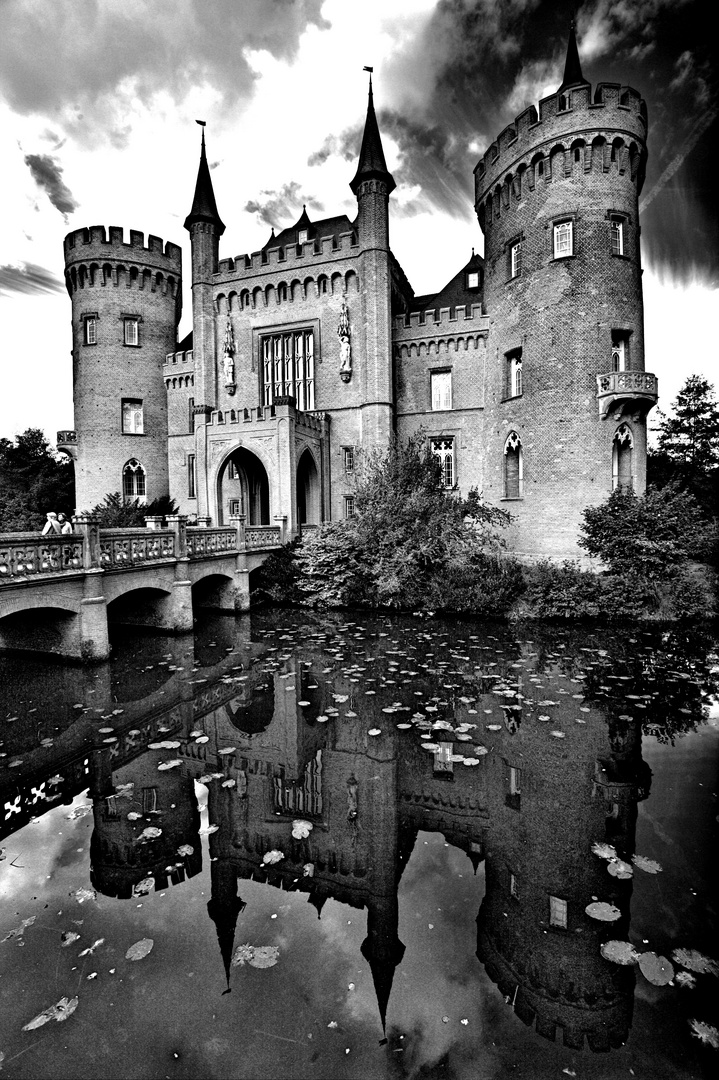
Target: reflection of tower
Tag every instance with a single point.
(534, 937)
(119, 859)
(382, 948)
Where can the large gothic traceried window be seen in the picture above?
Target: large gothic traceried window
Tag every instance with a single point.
(288, 368)
(443, 450)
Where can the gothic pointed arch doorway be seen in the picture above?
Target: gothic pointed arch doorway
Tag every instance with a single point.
(243, 488)
(308, 490)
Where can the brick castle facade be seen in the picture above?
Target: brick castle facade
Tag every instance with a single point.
(525, 372)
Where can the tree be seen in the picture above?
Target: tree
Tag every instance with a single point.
(33, 480)
(691, 435)
(114, 512)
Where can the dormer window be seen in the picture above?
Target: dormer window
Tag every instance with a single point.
(473, 279)
(302, 236)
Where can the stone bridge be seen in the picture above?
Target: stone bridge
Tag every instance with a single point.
(58, 593)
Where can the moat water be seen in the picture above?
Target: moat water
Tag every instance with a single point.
(380, 835)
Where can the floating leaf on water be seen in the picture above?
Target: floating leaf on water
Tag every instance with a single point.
(695, 961)
(470, 761)
(264, 956)
(544, 719)
(655, 969)
(705, 1032)
(273, 856)
(603, 912)
(229, 783)
(165, 765)
(494, 727)
(322, 719)
(140, 949)
(91, 948)
(142, 888)
(308, 870)
(133, 816)
(480, 750)
(150, 833)
(65, 1007)
(301, 829)
(431, 746)
(166, 744)
(619, 952)
(647, 865)
(242, 954)
(226, 750)
(620, 869)
(208, 829)
(685, 980)
(558, 734)
(68, 937)
(604, 851)
(403, 727)
(18, 931)
(81, 895)
(374, 731)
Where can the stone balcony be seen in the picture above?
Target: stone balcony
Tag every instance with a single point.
(623, 393)
(65, 438)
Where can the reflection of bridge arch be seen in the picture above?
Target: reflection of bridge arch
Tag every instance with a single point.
(243, 487)
(308, 490)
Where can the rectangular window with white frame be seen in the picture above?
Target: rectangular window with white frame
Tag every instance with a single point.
(441, 387)
(90, 329)
(349, 506)
(443, 450)
(515, 259)
(617, 233)
(348, 458)
(563, 234)
(131, 330)
(234, 507)
(133, 418)
(514, 386)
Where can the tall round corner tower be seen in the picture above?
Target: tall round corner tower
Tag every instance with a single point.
(126, 304)
(557, 197)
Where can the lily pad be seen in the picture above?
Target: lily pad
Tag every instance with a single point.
(374, 731)
(656, 969)
(142, 888)
(273, 856)
(604, 851)
(685, 980)
(619, 952)
(602, 911)
(264, 956)
(647, 865)
(695, 961)
(165, 765)
(140, 949)
(301, 829)
(705, 1033)
(620, 869)
(150, 833)
(65, 1007)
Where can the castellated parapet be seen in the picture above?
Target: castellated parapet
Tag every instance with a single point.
(126, 304)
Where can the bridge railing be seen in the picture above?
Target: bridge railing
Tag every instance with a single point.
(262, 536)
(217, 541)
(26, 554)
(135, 547)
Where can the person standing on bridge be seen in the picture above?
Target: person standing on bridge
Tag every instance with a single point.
(65, 525)
(52, 525)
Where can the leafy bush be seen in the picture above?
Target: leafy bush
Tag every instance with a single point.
(661, 529)
(276, 579)
(555, 591)
(116, 513)
(33, 480)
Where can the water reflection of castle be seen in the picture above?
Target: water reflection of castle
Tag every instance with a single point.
(530, 809)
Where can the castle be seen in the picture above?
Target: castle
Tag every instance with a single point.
(525, 372)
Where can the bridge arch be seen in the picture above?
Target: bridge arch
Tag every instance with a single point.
(51, 629)
(146, 605)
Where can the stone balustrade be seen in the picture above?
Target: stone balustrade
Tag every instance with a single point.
(262, 536)
(134, 547)
(211, 541)
(24, 555)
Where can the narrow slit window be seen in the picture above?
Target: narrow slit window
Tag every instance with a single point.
(191, 481)
(441, 385)
(617, 234)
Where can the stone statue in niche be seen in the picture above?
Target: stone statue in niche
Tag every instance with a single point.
(228, 361)
(343, 332)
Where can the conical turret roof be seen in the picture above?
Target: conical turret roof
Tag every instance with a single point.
(572, 68)
(371, 165)
(224, 915)
(204, 207)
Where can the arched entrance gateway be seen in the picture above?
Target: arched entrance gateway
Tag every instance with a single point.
(243, 488)
(308, 491)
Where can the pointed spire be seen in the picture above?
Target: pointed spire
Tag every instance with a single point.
(204, 207)
(572, 68)
(383, 959)
(371, 164)
(317, 901)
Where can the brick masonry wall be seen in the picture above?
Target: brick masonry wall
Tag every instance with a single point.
(112, 279)
(560, 313)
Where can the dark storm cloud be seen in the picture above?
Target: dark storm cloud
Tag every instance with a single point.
(28, 278)
(278, 209)
(47, 174)
(71, 59)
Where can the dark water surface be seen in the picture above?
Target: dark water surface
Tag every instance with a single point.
(446, 782)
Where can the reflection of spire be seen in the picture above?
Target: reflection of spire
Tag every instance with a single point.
(224, 913)
(383, 957)
(475, 858)
(317, 902)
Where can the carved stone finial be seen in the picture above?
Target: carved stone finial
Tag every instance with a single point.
(228, 363)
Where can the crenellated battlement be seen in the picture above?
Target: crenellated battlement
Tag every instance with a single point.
(96, 244)
(422, 323)
(325, 249)
(574, 117)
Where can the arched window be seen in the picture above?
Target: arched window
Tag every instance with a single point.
(133, 481)
(622, 459)
(513, 467)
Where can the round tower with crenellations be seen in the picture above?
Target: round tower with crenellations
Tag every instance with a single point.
(126, 304)
(557, 197)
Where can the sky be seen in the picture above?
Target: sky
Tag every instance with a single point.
(98, 102)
